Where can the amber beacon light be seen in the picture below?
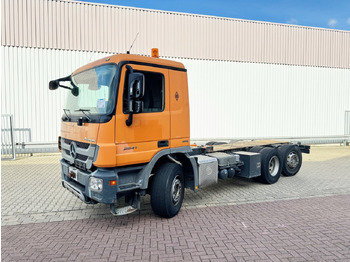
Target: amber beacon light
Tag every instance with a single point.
(155, 52)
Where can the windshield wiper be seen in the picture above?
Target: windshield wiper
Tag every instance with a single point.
(65, 112)
(83, 111)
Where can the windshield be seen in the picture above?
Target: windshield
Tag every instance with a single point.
(95, 91)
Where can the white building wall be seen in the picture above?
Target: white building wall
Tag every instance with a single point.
(228, 99)
(26, 73)
(250, 100)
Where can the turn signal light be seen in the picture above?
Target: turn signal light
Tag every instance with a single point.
(155, 52)
(113, 182)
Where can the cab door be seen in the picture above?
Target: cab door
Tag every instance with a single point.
(150, 130)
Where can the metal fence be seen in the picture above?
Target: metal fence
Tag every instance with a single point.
(8, 150)
(14, 141)
(22, 137)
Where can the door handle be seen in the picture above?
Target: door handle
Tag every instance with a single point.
(163, 143)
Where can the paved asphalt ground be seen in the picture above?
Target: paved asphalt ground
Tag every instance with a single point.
(301, 218)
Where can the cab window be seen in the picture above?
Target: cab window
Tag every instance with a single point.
(153, 100)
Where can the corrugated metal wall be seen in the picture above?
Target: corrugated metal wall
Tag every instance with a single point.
(26, 73)
(73, 25)
(227, 99)
(240, 100)
(246, 78)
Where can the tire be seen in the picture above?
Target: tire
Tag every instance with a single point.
(256, 149)
(167, 191)
(291, 158)
(271, 165)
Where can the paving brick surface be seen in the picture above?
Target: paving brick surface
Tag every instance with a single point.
(32, 192)
(301, 218)
(312, 229)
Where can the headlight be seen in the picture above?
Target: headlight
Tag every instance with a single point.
(96, 184)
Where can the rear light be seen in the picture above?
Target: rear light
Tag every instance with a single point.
(59, 143)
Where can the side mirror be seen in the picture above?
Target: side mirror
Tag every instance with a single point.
(75, 91)
(53, 85)
(138, 107)
(137, 85)
(136, 91)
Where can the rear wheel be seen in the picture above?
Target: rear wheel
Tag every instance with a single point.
(292, 159)
(271, 165)
(167, 191)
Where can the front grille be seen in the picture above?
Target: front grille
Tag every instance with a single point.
(81, 157)
(85, 153)
(79, 144)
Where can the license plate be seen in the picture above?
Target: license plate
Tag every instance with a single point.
(73, 173)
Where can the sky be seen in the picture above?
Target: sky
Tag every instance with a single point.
(333, 14)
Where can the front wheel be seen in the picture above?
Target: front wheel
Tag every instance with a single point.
(167, 191)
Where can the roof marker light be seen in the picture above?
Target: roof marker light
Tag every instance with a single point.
(155, 52)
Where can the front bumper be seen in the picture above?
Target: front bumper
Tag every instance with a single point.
(79, 185)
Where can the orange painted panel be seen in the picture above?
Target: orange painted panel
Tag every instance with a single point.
(136, 153)
(107, 149)
(106, 155)
(179, 142)
(147, 128)
(106, 132)
(179, 108)
(71, 130)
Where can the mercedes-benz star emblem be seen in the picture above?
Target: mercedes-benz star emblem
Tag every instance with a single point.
(73, 150)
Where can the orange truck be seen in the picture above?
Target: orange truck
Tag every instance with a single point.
(125, 133)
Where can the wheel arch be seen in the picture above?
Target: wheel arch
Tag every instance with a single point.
(189, 167)
(177, 155)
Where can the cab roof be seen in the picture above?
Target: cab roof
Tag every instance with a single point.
(132, 58)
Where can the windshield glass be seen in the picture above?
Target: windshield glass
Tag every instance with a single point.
(95, 91)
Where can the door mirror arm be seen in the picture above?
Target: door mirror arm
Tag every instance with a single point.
(128, 121)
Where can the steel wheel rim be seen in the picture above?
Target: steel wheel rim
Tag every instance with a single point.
(274, 165)
(292, 160)
(176, 190)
